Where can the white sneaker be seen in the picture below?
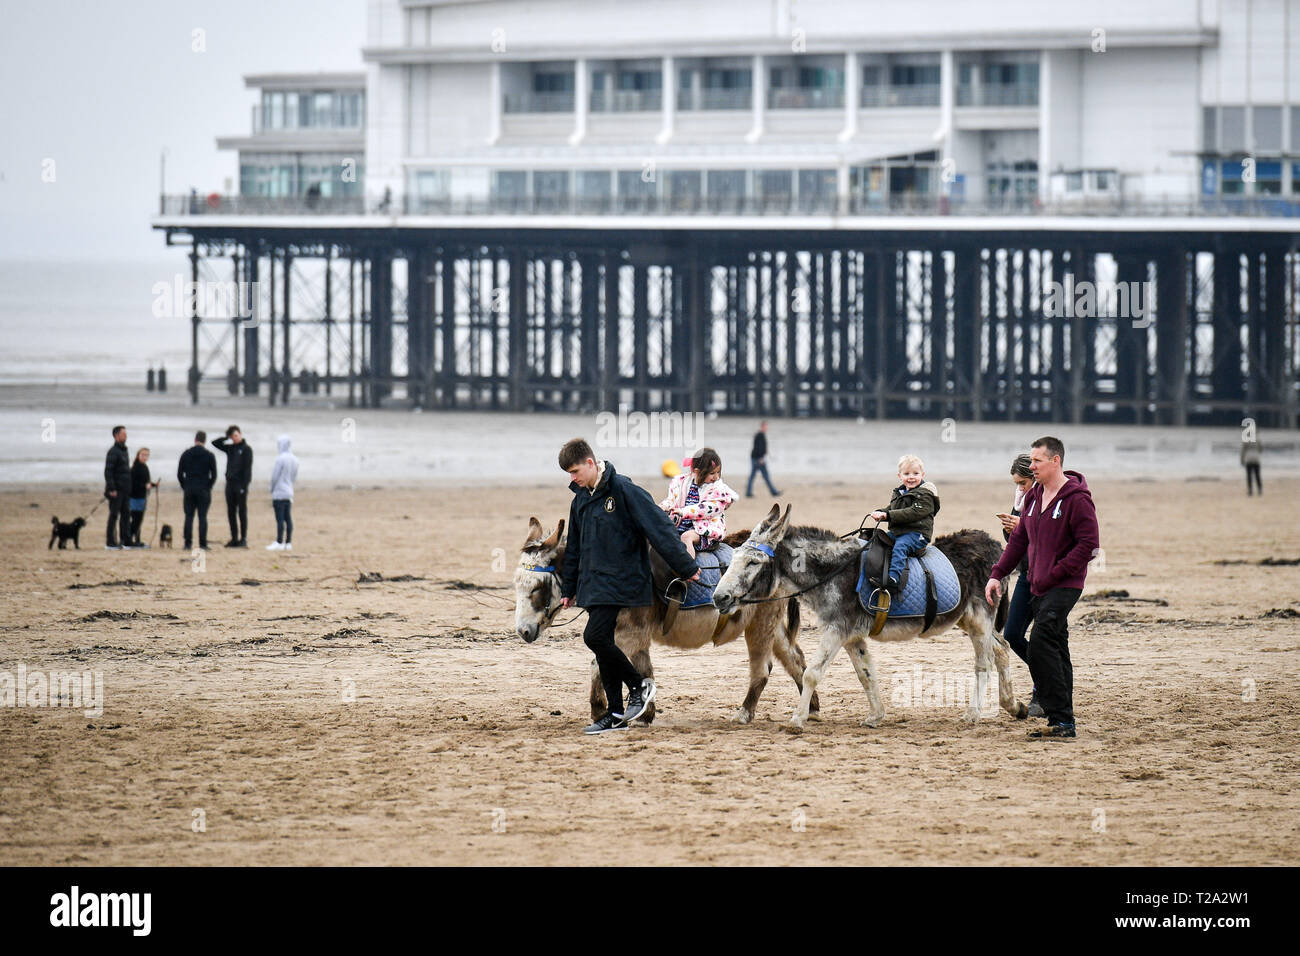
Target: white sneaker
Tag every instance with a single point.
(286, 546)
(275, 546)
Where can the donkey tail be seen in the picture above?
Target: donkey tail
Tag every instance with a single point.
(1000, 619)
(791, 620)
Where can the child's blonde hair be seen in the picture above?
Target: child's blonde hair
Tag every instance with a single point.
(910, 460)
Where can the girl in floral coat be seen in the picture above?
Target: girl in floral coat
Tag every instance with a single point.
(697, 501)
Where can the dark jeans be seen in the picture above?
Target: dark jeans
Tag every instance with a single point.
(1049, 653)
(908, 542)
(1018, 618)
(615, 669)
(1253, 470)
(119, 518)
(137, 519)
(758, 467)
(283, 520)
(237, 508)
(197, 501)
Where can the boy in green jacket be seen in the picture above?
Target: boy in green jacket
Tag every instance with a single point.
(910, 514)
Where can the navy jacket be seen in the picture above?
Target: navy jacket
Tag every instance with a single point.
(239, 460)
(197, 470)
(117, 470)
(606, 560)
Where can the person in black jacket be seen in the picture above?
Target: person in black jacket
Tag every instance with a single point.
(758, 462)
(239, 474)
(141, 482)
(607, 568)
(197, 473)
(117, 489)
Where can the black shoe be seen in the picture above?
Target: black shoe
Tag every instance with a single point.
(232, 543)
(1057, 731)
(605, 725)
(638, 700)
(112, 547)
(1035, 708)
(189, 547)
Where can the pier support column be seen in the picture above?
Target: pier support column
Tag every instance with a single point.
(381, 327)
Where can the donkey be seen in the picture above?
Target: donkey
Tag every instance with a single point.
(770, 629)
(779, 561)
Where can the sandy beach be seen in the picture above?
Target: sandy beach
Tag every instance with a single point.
(263, 707)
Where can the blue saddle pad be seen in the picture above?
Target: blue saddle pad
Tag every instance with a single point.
(713, 565)
(911, 603)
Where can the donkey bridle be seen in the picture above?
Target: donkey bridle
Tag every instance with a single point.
(768, 550)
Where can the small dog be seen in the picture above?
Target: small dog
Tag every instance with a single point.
(65, 532)
(165, 536)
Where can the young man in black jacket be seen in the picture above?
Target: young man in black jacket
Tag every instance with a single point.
(117, 489)
(607, 568)
(239, 474)
(197, 473)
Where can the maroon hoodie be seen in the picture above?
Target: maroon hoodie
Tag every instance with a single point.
(1060, 541)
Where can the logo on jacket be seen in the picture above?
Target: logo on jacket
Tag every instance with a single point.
(609, 505)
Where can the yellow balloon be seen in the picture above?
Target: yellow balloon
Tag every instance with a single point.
(671, 468)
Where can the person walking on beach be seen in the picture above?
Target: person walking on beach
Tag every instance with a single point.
(283, 474)
(239, 475)
(758, 462)
(1058, 530)
(141, 482)
(117, 489)
(1022, 475)
(607, 568)
(1250, 450)
(197, 473)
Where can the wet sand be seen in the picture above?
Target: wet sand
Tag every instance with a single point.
(228, 736)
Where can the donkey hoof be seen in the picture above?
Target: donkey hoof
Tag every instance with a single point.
(743, 716)
(815, 715)
(1021, 710)
(971, 717)
(873, 721)
(795, 727)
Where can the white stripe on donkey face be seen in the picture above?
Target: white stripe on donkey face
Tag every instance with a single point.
(537, 581)
(779, 559)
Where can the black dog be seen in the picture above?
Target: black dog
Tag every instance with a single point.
(165, 536)
(66, 532)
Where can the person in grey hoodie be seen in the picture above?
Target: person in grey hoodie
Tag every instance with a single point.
(283, 474)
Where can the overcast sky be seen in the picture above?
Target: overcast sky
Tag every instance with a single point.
(101, 88)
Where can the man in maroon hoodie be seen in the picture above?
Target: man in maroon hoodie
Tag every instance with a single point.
(1058, 527)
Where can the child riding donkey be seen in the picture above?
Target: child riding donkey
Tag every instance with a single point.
(697, 502)
(910, 514)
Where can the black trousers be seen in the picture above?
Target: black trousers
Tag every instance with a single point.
(119, 518)
(137, 519)
(1049, 653)
(615, 669)
(1252, 470)
(237, 510)
(197, 502)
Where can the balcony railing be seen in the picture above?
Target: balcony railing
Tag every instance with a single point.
(780, 204)
(539, 102)
(626, 101)
(265, 121)
(738, 98)
(805, 97)
(918, 94)
(998, 94)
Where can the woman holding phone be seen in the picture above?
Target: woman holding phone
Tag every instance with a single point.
(1018, 611)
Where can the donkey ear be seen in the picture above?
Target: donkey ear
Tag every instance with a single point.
(784, 523)
(772, 515)
(554, 539)
(534, 528)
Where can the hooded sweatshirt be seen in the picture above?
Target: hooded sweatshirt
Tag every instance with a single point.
(1059, 540)
(284, 472)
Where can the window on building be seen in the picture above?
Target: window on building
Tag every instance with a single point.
(1232, 137)
(1268, 129)
(1268, 178)
(726, 187)
(322, 109)
(594, 186)
(913, 74)
(683, 188)
(1295, 130)
(776, 184)
(552, 82)
(551, 185)
(637, 187)
(1209, 129)
(510, 185)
